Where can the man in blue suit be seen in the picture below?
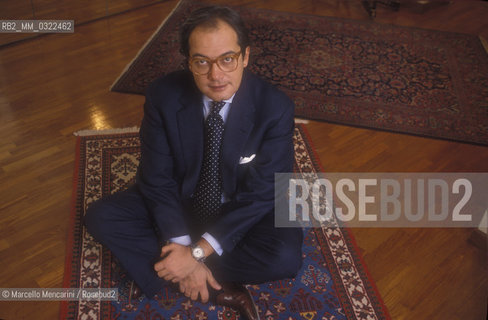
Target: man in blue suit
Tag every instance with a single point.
(154, 227)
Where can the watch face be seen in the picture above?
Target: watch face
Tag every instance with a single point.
(198, 252)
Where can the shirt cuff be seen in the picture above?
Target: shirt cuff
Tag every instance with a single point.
(183, 240)
(214, 243)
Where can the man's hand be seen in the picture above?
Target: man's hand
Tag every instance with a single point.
(177, 263)
(196, 283)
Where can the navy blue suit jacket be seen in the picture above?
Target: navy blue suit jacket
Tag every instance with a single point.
(260, 122)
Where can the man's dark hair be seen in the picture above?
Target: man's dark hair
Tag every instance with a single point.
(209, 17)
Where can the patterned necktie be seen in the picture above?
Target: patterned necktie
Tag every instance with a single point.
(208, 194)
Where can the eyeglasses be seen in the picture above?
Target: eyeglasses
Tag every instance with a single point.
(228, 62)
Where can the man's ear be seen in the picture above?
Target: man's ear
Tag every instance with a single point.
(246, 57)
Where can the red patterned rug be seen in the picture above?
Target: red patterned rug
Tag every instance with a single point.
(358, 73)
(333, 282)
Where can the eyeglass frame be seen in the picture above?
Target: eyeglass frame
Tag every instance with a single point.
(235, 55)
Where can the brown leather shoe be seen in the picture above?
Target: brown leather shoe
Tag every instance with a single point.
(237, 296)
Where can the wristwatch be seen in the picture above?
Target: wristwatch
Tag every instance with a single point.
(197, 252)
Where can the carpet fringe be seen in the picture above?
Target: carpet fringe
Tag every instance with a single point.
(299, 120)
(83, 133)
(145, 44)
(484, 43)
(91, 132)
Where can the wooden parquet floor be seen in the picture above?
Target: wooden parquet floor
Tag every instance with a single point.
(54, 85)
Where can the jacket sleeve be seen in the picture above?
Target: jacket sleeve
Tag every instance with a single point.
(255, 191)
(155, 177)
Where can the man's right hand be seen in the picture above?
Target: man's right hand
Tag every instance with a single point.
(195, 283)
(177, 263)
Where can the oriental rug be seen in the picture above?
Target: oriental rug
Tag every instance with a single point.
(332, 284)
(360, 73)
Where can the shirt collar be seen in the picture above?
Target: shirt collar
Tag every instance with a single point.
(207, 100)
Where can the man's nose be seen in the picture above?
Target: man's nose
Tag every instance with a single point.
(215, 73)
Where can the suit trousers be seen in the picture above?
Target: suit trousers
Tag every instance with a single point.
(122, 223)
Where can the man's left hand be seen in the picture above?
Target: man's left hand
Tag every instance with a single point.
(177, 263)
(195, 284)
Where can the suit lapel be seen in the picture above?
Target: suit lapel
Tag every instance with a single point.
(238, 126)
(190, 124)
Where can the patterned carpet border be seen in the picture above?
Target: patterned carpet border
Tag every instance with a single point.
(359, 73)
(333, 283)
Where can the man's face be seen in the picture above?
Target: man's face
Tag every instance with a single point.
(212, 43)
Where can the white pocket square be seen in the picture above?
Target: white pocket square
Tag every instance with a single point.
(243, 160)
